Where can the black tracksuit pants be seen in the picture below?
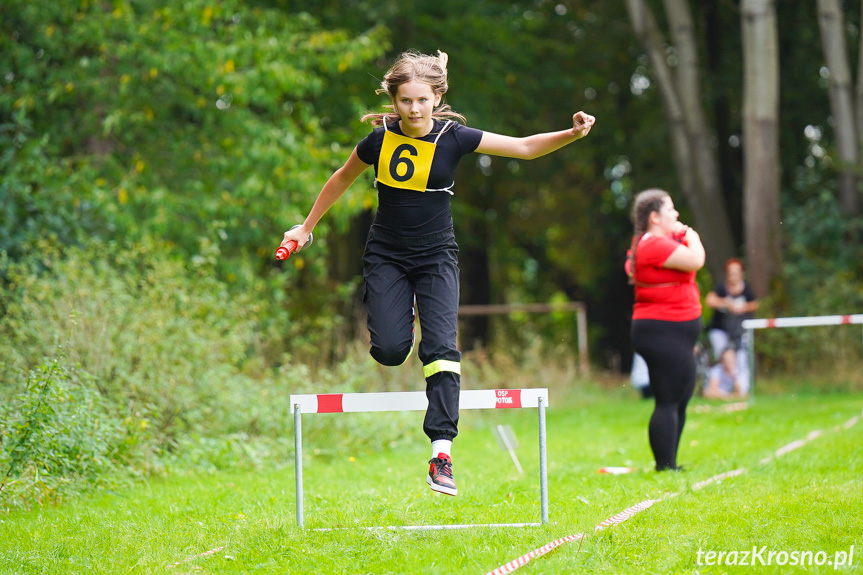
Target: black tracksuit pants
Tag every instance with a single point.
(397, 272)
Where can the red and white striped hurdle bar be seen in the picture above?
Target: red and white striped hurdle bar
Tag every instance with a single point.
(803, 321)
(417, 401)
(750, 325)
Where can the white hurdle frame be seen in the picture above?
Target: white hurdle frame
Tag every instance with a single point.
(750, 325)
(417, 401)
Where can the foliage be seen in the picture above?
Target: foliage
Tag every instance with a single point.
(59, 436)
(153, 332)
(824, 277)
(185, 355)
(41, 197)
(159, 118)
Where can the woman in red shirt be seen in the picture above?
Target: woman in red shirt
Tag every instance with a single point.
(666, 318)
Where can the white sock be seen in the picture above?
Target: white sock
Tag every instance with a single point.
(441, 446)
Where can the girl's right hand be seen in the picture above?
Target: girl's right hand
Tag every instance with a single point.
(582, 122)
(297, 234)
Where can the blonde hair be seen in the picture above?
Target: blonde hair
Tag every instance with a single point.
(645, 203)
(412, 65)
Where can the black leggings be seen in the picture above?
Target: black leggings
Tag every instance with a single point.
(667, 347)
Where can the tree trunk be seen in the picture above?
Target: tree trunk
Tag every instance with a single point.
(761, 144)
(692, 146)
(832, 25)
(858, 96)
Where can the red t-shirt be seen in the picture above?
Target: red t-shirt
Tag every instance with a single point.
(664, 294)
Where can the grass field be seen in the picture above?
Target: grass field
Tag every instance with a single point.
(806, 500)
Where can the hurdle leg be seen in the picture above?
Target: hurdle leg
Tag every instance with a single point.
(543, 468)
(750, 352)
(298, 462)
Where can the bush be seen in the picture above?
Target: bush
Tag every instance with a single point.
(176, 351)
(59, 436)
(153, 333)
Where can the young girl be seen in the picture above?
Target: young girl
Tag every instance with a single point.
(666, 317)
(411, 256)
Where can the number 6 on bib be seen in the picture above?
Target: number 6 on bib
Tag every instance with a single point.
(405, 162)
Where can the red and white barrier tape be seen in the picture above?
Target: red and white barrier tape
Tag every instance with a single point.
(204, 554)
(625, 514)
(724, 408)
(539, 552)
(794, 445)
(516, 563)
(720, 477)
(848, 424)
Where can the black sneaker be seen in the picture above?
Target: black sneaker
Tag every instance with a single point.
(440, 477)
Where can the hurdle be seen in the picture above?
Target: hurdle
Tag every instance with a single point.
(417, 401)
(750, 325)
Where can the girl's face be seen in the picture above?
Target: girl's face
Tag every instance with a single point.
(415, 102)
(666, 217)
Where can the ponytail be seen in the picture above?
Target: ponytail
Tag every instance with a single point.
(630, 262)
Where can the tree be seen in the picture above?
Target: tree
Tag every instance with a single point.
(691, 138)
(180, 115)
(841, 90)
(761, 144)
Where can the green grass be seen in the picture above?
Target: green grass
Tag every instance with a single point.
(806, 500)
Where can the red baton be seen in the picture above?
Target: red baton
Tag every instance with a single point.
(284, 252)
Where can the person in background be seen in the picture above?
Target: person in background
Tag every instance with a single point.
(411, 256)
(666, 316)
(732, 302)
(725, 381)
(639, 376)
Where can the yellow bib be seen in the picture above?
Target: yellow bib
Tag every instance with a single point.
(405, 162)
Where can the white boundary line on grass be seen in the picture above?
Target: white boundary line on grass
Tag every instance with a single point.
(638, 507)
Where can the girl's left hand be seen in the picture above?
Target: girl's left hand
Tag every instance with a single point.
(581, 123)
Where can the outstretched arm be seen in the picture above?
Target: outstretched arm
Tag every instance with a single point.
(537, 145)
(335, 187)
